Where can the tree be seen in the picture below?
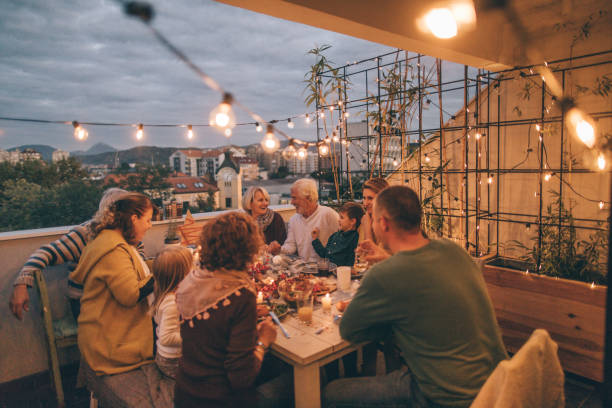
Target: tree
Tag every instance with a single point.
(281, 172)
(20, 205)
(150, 180)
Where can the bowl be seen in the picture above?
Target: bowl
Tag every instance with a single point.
(291, 290)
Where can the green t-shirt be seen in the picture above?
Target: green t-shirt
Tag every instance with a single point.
(434, 302)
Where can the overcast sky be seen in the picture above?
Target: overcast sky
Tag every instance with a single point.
(85, 60)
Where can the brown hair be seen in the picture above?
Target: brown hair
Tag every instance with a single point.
(119, 214)
(169, 269)
(354, 211)
(402, 206)
(376, 184)
(230, 241)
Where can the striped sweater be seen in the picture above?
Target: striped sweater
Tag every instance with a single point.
(65, 249)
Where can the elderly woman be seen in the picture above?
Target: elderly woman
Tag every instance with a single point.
(223, 346)
(255, 202)
(115, 334)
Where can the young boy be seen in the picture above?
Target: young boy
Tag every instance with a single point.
(341, 245)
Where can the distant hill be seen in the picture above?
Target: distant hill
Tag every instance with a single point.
(95, 149)
(141, 154)
(45, 151)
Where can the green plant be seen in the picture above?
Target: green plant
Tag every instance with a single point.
(561, 252)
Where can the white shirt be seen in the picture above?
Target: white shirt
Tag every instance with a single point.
(299, 237)
(168, 328)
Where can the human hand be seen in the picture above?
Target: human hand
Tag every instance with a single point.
(20, 301)
(266, 331)
(274, 247)
(371, 252)
(315, 233)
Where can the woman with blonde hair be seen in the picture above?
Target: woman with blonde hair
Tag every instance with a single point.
(255, 202)
(169, 269)
(223, 346)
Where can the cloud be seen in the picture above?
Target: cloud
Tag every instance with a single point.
(85, 60)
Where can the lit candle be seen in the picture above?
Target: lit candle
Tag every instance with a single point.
(260, 297)
(326, 303)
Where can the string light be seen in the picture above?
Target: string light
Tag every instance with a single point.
(331, 108)
(346, 114)
(290, 124)
(258, 127)
(335, 137)
(307, 119)
(537, 126)
(427, 159)
(601, 205)
(477, 136)
(270, 142)
(227, 132)
(601, 161)
(547, 176)
(289, 151)
(395, 162)
(79, 131)
(222, 117)
(322, 114)
(581, 125)
(140, 131)
(490, 180)
(444, 22)
(323, 149)
(302, 153)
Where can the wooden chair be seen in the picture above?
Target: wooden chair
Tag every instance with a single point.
(59, 334)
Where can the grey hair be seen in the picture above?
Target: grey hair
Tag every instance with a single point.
(109, 196)
(249, 196)
(307, 188)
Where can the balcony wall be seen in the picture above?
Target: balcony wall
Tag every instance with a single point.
(23, 346)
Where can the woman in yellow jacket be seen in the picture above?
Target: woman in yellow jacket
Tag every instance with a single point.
(115, 332)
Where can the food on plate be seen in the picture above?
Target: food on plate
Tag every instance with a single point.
(280, 309)
(262, 310)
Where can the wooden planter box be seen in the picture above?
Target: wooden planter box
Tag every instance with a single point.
(572, 312)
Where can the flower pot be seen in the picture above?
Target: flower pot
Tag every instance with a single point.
(572, 312)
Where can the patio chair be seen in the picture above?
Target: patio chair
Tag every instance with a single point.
(532, 378)
(60, 333)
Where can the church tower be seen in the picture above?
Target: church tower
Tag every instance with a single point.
(229, 181)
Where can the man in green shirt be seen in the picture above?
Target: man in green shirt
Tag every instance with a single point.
(431, 298)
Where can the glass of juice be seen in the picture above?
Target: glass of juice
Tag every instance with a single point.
(304, 307)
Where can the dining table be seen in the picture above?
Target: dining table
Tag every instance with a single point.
(311, 346)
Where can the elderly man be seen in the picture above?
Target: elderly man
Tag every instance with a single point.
(431, 298)
(309, 215)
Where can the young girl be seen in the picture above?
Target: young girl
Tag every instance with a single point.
(169, 269)
(341, 245)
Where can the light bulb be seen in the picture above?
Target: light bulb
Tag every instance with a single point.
(477, 136)
(189, 132)
(441, 23)
(227, 132)
(290, 124)
(289, 151)
(222, 117)
(323, 149)
(331, 108)
(601, 162)
(547, 176)
(346, 114)
(537, 126)
(307, 119)
(302, 153)
(258, 127)
(321, 114)
(80, 133)
(335, 137)
(395, 162)
(490, 180)
(140, 132)
(327, 140)
(270, 142)
(601, 205)
(340, 103)
(581, 125)
(427, 159)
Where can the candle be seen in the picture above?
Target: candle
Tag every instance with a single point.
(326, 303)
(260, 297)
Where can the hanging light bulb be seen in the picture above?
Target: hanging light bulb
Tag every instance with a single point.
(302, 153)
(490, 180)
(307, 119)
(331, 108)
(140, 132)
(447, 18)
(340, 102)
(335, 137)
(477, 136)
(395, 162)
(289, 151)
(346, 114)
(227, 132)
(427, 159)
(270, 142)
(547, 176)
(601, 162)
(79, 131)
(290, 124)
(581, 125)
(322, 114)
(222, 117)
(323, 149)
(601, 205)
(537, 126)
(189, 132)
(327, 140)
(258, 127)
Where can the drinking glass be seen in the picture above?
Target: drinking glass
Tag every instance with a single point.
(305, 307)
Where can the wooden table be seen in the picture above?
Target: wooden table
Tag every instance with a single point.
(307, 351)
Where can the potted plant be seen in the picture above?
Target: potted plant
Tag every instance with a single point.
(172, 234)
(573, 312)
